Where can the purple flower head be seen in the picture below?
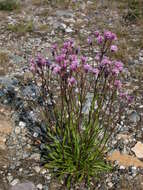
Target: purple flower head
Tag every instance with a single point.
(54, 46)
(66, 45)
(43, 62)
(32, 65)
(48, 62)
(87, 68)
(74, 65)
(97, 57)
(115, 71)
(69, 44)
(108, 35)
(71, 81)
(122, 95)
(60, 58)
(40, 61)
(105, 62)
(32, 68)
(96, 33)
(118, 65)
(57, 69)
(114, 37)
(125, 96)
(64, 51)
(113, 48)
(89, 40)
(130, 99)
(71, 41)
(73, 57)
(118, 84)
(99, 39)
(83, 59)
(32, 62)
(64, 65)
(95, 71)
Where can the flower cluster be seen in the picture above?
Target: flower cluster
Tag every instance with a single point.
(83, 100)
(39, 64)
(67, 61)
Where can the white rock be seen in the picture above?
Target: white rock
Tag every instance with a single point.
(122, 167)
(69, 30)
(17, 130)
(44, 171)
(14, 182)
(9, 178)
(37, 169)
(138, 150)
(134, 117)
(35, 134)
(39, 186)
(35, 156)
(24, 186)
(22, 124)
(110, 184)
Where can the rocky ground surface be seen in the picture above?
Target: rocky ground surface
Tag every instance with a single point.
(33, 28)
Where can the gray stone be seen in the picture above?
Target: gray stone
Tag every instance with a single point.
(24, 186)
(134, 117)
(22, 124)
(14, 182)
(40, 186)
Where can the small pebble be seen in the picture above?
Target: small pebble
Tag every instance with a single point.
(14, 182)
(40, 186)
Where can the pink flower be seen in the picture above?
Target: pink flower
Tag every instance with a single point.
(89, 40)
(32, 65)
(99, 39)
(96, 33)
(66, 45)
(115, 71)
(43, 61)
(119, 65)
(73, 57)
(83, 59)
(60, 58)
(71, 81)
(114, 48)
(87, 68)
(108, 35)
(114, 37)
(57, 69)
(127, 97)
(73, 66)
(95, 71)
(64, 51)
(118, 84)
(54, 46)
(106, 62)
(97, 57)
(65, 64)
(130, 99)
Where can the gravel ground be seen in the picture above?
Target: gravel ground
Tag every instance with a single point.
(33, 28)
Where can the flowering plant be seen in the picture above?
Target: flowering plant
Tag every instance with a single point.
(82, 102)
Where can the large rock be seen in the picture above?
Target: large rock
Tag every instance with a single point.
(125, 159)
(5, 131)
(134, 117)
(24, 186)
(138, 150)
(5, 126)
